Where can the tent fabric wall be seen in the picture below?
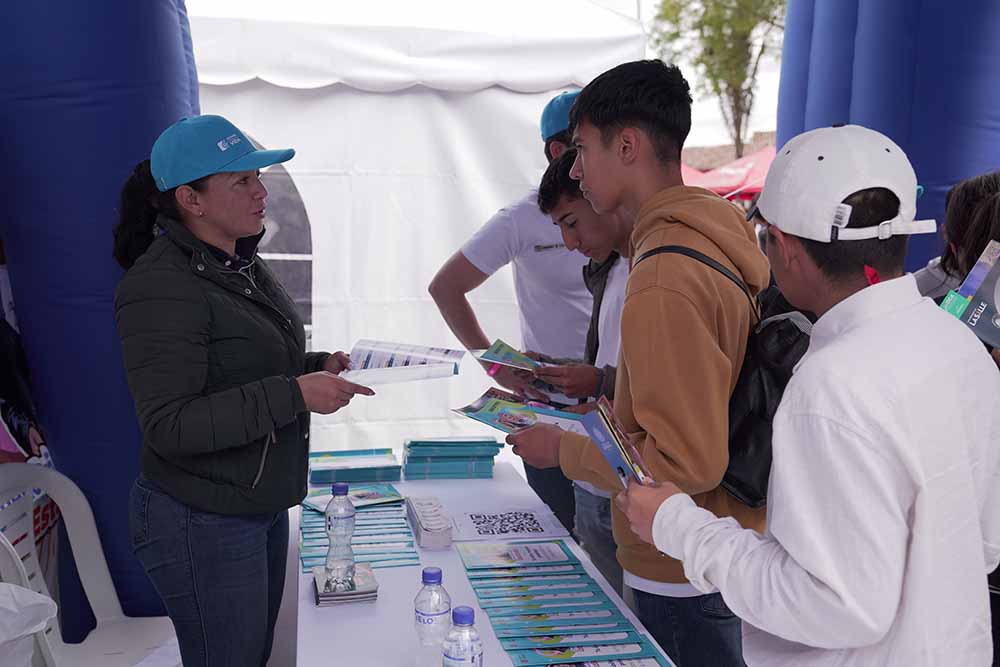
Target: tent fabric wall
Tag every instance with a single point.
(403, 152)
(921, 73)
(77, 112)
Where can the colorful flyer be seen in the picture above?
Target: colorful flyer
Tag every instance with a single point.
(510, 416)
(499, 572)
(478, 555)
(550, 607)
(540, 589)
(536, 630)
(542, 598)
(361, 495)
(586, 616)
(525, 581)
(606, 432)
(577, 654)
(575, 639)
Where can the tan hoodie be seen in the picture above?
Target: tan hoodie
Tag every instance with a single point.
(683, 336)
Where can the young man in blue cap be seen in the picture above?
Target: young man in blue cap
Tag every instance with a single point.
(552, 298)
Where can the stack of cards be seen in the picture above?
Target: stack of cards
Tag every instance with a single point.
(382, 536)
(365, 587)
(546, 610)
(449, 458)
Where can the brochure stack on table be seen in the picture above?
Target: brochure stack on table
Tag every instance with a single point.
(546, 610)
(354, 465)
(382, 536)
(450, 458)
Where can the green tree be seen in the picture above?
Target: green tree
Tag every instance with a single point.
(725, 40)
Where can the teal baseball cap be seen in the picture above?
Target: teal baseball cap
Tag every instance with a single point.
(200, 146)
(555, 115)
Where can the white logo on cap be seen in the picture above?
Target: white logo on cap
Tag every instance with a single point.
(233, 139)
(223, 145)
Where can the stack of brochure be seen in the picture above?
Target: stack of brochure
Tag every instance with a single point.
(365, 587)
(353, 465)
(382, 536)
(546, 609)
(450, 458)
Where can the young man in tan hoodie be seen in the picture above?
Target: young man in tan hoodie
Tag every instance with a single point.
(683, 337)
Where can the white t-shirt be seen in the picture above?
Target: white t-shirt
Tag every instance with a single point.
(553, 301)
(609, 327)
(883, 512)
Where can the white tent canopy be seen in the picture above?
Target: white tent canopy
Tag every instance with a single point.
(413, 123)
(522, 45)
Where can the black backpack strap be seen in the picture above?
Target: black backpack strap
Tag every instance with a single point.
(706, 260)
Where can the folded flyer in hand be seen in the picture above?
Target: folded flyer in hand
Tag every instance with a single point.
(378, 362)
(506, 412)
(977, 301)
(607, 433)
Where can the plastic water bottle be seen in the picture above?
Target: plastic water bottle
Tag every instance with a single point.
(339, 530)
(462, 646)
(431, 617)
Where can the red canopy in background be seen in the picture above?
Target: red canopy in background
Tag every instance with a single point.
(740, 179)
(691, 175)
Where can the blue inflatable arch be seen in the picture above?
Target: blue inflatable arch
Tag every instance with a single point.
(923, 73)
(85, 89)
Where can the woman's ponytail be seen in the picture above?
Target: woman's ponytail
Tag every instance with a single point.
(136, 216)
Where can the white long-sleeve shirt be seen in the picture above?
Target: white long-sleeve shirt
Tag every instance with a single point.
(884, 498)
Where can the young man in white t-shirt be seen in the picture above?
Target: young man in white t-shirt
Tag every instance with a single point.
(604, 240)
(883, 513)
(553, 301)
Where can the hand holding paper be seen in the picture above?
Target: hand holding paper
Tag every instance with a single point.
(538, 445)
(640, 504)
(325, 393)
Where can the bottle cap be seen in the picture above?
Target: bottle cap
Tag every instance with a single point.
(340, 488)
(432, 575)
(463, 615)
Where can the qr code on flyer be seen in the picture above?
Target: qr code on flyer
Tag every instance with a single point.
(505, 523)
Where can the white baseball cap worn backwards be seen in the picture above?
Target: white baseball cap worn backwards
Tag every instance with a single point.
(816, 171)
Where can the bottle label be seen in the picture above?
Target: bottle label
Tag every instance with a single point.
(439, 619)
(474, 661)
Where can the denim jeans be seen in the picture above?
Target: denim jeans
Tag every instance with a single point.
(695, 632)
(220, 577)
(555, 490)
(593, 528)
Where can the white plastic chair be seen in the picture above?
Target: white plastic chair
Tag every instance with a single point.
(118, 640)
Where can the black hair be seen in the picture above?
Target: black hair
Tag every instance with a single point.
(841, 259)
(141, 202)
(646, 94)
(564, 137)
(971, 221)
(556, 182)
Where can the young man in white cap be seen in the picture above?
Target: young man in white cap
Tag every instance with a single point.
(552, 298)
(884, 507)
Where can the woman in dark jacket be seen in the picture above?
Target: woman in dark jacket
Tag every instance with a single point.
(215, 356)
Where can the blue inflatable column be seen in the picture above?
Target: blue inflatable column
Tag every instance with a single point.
(85, 88)
(924, 74)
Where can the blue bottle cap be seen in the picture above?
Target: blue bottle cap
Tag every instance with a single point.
(432, 575)
(463, 615)
(340, 488)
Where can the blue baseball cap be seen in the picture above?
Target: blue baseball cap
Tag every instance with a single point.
(200, 146)
(555, 115)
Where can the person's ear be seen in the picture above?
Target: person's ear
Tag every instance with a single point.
(557, 148)
(628, 141)
(785, 247)
(189, 199)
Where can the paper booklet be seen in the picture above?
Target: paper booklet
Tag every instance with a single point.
(377, 362)
(607, 433)
(505, 355)
(506, 412)
(977, 301)
(360, 495)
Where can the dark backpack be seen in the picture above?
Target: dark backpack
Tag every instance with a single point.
(774, 345)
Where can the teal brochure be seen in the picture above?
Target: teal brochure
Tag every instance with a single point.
(629, 636)
(498, 572)
(542, 598)
(537, 630)
(549, 607)
(579, 654)
(582, 617)
(526, 581)
(482, 555)
(540, 589)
